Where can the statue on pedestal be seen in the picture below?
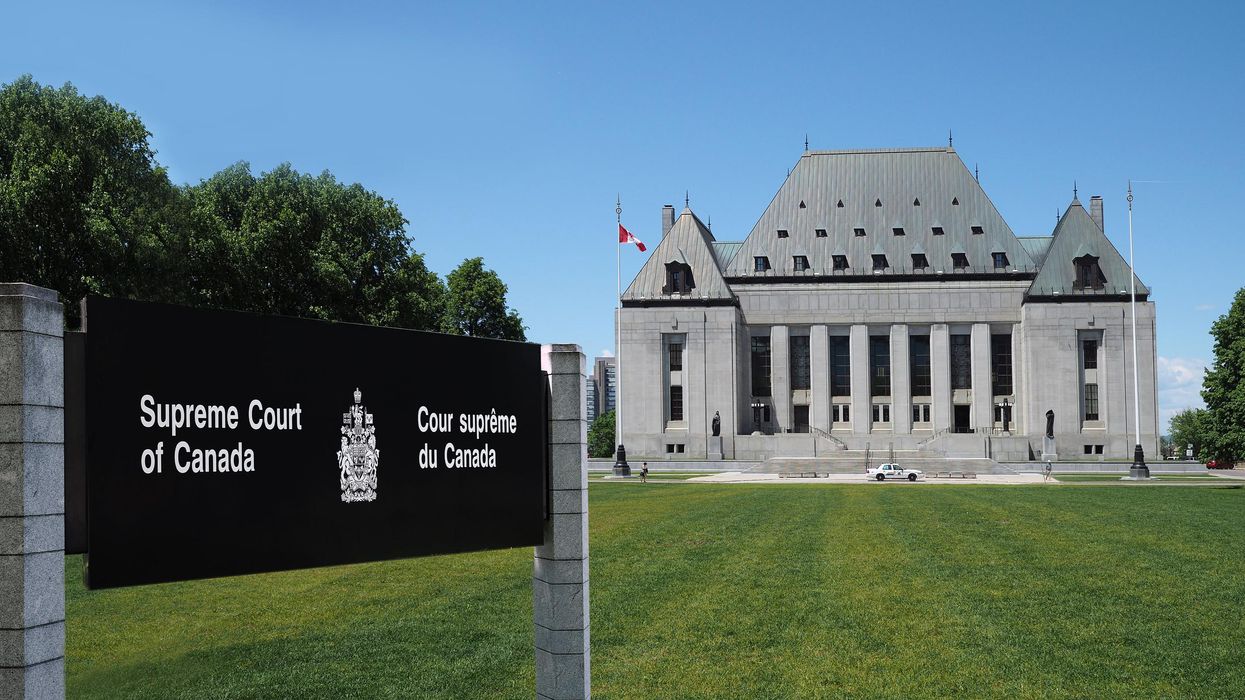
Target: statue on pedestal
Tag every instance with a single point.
(717, 424)
(1050, 424)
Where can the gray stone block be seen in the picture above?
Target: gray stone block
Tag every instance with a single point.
(569, 466)
(562, 641)
(45, 588)
(32, 645)
(566, 537)
(32, 479)
(560, 606)
(567, 401)
(25, 423)
(569, 501)
(560, 570)
(563, 676)
(31, 534)
(32, 369)
(571, 431)
(562, 359)
(32, 314)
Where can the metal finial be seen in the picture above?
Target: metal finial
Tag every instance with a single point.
(976, 174)
(1130, 194)
(709, 223)
(805, 142)
(949, 140)
(1074, 189)
(687, 199)
(618, 206)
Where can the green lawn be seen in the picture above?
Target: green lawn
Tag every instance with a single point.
(735, 591)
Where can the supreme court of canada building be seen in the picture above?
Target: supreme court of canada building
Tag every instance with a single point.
(882, 301)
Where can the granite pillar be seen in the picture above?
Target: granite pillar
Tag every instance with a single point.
(32, 493)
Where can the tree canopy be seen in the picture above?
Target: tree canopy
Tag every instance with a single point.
(85, 207)
(1223, 388)
(475, 304)
(1189, 427)
(601, 436)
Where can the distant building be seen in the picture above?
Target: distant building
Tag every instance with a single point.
(882, 301)
(606, 384)
(590, 395)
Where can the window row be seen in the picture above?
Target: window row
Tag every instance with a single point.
(877, 202)
(860, 231)
(839, 351)
(880, 262)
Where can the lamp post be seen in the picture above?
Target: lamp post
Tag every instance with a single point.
(1139, 470)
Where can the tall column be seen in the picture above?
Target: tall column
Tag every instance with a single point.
(32, 493)
(560, 567)
(901, 381)
(983, 392)
(1018, 387)
(862, 415)
(940, 375)
(780, 377)
(819, 359)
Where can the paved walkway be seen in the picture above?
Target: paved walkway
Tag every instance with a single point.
(752, 478)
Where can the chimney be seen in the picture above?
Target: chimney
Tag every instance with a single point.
(667, 219)
(1095, 210)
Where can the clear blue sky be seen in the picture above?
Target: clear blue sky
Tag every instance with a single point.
(506, 129)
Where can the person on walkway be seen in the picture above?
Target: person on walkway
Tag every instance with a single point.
(644, 473)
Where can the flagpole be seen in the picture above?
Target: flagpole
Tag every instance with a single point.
(621, 468)
(1139, 470)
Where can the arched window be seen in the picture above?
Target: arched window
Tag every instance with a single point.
(679, 278)
(1088, 274)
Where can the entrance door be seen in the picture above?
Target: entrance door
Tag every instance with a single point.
(959, 423)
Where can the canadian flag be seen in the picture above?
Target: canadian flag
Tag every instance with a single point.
(624, 236)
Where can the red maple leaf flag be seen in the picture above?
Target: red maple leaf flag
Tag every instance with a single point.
(624, 236)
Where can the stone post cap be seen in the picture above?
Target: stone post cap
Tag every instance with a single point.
(22, 289)
(561, 347)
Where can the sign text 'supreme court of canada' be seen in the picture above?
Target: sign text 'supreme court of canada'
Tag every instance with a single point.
(223, 443)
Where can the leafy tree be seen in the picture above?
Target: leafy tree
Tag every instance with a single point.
(1223, 387)
(294, 244)
(601, 436)
(475, 304)
(1190, 426)
(84, 207)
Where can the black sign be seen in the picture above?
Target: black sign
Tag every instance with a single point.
(223, 443)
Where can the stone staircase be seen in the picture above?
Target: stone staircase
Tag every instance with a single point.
(853, 462)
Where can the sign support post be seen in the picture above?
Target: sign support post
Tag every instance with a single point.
(560, 566)
(32, 493)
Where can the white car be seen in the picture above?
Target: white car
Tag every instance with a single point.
(894, 471)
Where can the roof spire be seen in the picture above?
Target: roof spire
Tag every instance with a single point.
(1074, 191)
(949, 141)
(806, 142)
(709, 223)
(976, 174)
(687, 199)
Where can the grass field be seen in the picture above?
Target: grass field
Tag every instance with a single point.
(733, 591)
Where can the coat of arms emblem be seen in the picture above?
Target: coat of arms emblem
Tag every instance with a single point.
(358, 457)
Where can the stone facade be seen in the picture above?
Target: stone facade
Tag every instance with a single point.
(930, 354)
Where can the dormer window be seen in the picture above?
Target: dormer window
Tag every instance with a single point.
(839, 262)
(782, 233)
(799, 263)
(877, 203)
(879, 263)
(916, 202)
(1088, 273)
(955, 201)
(1000, 260)
(821, 233)
(898, 231)
(977, 230)
(679, 279)
(938, 231)
(919, 261)
(959, 261)
(858, 231)
(840, 204)
(760, 263)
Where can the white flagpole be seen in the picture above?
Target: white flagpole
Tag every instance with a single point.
(1139, 469)
(618, 328)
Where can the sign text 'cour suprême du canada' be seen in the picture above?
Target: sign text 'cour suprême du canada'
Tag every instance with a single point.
(223, 443)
